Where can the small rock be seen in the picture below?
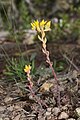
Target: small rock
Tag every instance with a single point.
(17, 117)
(8, 99)
(56, 111)
(49, 117)
(1, 119)
(16, 107)
(48, 113)
(10, 108)
(2, 115)
(78, 111)
(41, 118)
(31, 97)
(1, 89)
(2, 108)
(49, 109)
(79, 92)
(29, 37)
(6, 119)
(64, 108)
(14, 113)
(78, 118)
(4, 34)
(23, 116)
(71, 119)
(63, 115)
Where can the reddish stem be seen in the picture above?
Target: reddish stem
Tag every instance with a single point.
(32, 92)
(54, 74)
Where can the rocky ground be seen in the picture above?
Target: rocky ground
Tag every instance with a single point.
(15, 106)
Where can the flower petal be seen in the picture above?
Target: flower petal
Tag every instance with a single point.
(47, 26)
(42, 23)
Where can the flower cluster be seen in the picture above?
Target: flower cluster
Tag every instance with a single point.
(39, 26)
(42, 27)
(27, 68)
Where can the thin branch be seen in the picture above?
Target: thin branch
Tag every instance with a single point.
(70, 62)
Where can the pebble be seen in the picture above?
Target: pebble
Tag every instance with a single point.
(23, 116)
(10, 108)
(6, 119)
(78, 111)
(8, 99)
(1, 119)
(17, 117)
(56, 111)
(71, 119)
(49, 109)
(49, 118)
(16, 107)
(31, 97)
(2, 108)
(64, 108)
(63, 115)
(41, 118)
(48, 113)
(2, 115)
(78, 118)
(29, 37)
(79, 92)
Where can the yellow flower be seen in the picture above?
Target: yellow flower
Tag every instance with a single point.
(27, 68)
(47, 26)
(39, 26)
(42, 23)
(35, 25)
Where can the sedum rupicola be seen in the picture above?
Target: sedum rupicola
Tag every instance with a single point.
(43, 27)
(27, 68)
